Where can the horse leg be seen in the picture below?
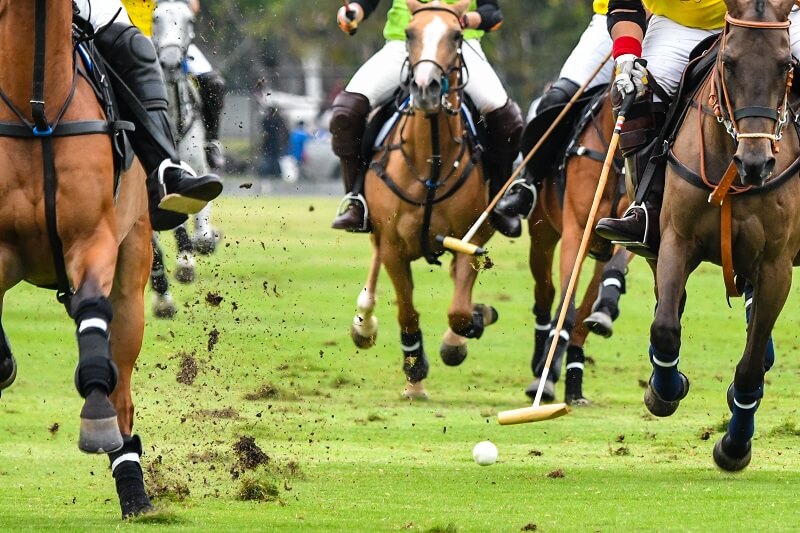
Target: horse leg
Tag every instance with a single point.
(540, 262)
(573, 381)
(8, 365)
(205, 238)
(127, 330)
(163, 304)
(667, 385)
(733, 451)
(184, 269)
(415, 364)
(364, 329)
(465, 320)
(606, 308)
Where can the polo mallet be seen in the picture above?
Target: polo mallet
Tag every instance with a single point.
(537, 412)
(463, 245)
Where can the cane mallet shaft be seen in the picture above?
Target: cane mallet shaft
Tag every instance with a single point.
(536, 412)
(463, 245)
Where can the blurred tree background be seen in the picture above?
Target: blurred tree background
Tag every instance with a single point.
(264, 43)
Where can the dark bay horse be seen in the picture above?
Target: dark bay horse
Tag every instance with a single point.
(60, 226)
(555, 219)
(734, 131)
(426, 182)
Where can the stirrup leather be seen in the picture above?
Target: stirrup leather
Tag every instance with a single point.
(353, 197)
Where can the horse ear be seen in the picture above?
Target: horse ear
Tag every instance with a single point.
(414, 5)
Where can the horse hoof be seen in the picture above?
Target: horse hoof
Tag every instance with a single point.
(577, 401)
(206, 245)
(415, 390)
(8, 372)
(490, 314)
(453, 355)
(132, 509)
(548, 394)
(415, 368)
(364, 335)
(599, 323)
(659, 407)
(184, 271)
(729, 463)
(164, 307)
(99, 429)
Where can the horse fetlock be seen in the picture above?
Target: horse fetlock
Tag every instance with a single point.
(95, 368)
(573, 382)
(665, 336)
(127, 471)
(415, 364)
(482, 316)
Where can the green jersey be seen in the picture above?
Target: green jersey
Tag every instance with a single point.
(399, 17)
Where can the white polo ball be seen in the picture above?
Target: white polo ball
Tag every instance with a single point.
(484, 453)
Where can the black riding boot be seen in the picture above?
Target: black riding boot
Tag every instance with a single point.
(504, 127)
(173, 188)
(348, 121)
(638, 229)
(212, 93)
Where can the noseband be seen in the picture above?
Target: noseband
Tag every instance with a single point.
(459, 67)
(728, 116)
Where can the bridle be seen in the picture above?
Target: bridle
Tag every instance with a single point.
(458, 67)
(727, 115)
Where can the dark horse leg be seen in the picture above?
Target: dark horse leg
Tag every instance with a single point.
(8, 365)
(540, 260)
(733, 451)
(164, 305)
(127, 330)
(612, 286)
(668, 386)
(184, 270)
(415, 363)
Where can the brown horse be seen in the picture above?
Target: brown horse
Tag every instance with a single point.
(553, 220)
(63, 180)
(759, 230)
(426, 182)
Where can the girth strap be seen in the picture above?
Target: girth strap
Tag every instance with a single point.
(65, 129)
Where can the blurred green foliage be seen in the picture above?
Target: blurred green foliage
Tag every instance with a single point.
(264, 41)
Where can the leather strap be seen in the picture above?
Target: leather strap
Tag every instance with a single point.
(726, 251)
(720, 192)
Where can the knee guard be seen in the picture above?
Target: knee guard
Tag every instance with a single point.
(348, 122)
(504, 128)
(559, 93)
(134, 58)
(95, 367)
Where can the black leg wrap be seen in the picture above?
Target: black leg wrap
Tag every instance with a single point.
(558, 355)
(612, 286)
(212, 93)
(415, 364)
(541, 331)
(574, 380)
(183, 240)
(129, 478)
(475, 329)
(95, 367)
(158, 277)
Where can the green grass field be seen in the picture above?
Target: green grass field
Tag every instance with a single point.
(345, 452)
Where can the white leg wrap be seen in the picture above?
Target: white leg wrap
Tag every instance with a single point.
(132, 456)
(89, 323)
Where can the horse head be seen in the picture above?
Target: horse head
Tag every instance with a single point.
(433, 41)
(173, 32)
(754, 73)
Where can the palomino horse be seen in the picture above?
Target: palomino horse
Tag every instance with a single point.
(757, 232)
(554, 219)
(426, 182)
(60, 227)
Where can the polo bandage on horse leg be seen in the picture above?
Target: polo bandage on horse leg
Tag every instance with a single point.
(95, 367)
(365, 323)
(415, 364)
(666, 378)
(742, 424)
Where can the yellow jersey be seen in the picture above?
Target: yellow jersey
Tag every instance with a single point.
(600, 6)
(141, 14)
(701, 14)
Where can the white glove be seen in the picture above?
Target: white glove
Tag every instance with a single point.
(631, 76)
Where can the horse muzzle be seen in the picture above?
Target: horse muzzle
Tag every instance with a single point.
(170, 57)
(426, 96)
(754, 161)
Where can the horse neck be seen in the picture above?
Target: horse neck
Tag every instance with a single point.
(17, 41)
(419, 131)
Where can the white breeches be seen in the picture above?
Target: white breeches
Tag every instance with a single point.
(198, 64)
(593, 46)
(100, 12)
(379, 77)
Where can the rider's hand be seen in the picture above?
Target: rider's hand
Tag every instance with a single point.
(349, 16)
(631, 76)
